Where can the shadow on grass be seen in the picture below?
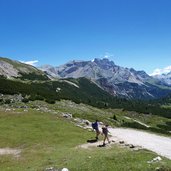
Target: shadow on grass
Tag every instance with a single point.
(103, 145)
(92, 140)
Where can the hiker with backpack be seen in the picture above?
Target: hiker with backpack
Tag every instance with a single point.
(105, 131)
(95, 127)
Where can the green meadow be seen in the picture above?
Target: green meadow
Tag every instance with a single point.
(46, 139)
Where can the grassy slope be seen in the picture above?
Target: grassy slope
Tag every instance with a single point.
(18, 65)
(157, 124)
(47, 140)
(87, 93)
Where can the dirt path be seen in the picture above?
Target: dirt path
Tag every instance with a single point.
(7, 151)
(156, 143)
(139, 139)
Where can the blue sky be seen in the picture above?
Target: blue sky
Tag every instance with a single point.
(132, 33)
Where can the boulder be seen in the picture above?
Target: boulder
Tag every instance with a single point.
(67, 115)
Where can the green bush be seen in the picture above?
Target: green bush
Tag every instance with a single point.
(50, 101)
(25, 100)
(7, 101)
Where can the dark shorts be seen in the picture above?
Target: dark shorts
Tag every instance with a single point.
(97, 130)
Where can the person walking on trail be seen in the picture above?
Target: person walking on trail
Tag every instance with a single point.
(105, 131)
(95, 127)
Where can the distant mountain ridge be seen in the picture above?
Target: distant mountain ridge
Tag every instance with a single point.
(15, 69)
(164, 78)
(116, 80)
(96, 69)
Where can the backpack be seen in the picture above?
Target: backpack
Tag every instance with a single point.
(94, 125)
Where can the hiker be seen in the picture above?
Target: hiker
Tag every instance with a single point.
(95, 127)
(105, 131)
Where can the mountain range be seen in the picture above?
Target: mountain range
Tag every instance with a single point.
(117, 80)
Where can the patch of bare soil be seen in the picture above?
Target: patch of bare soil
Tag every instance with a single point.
(10, 151)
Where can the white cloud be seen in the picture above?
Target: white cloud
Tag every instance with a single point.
(108, 55)
(159, 71)
(33, 63)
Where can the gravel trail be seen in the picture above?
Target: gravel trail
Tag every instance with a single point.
(156, 143)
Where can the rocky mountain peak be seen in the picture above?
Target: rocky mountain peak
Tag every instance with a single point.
(104, 63)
